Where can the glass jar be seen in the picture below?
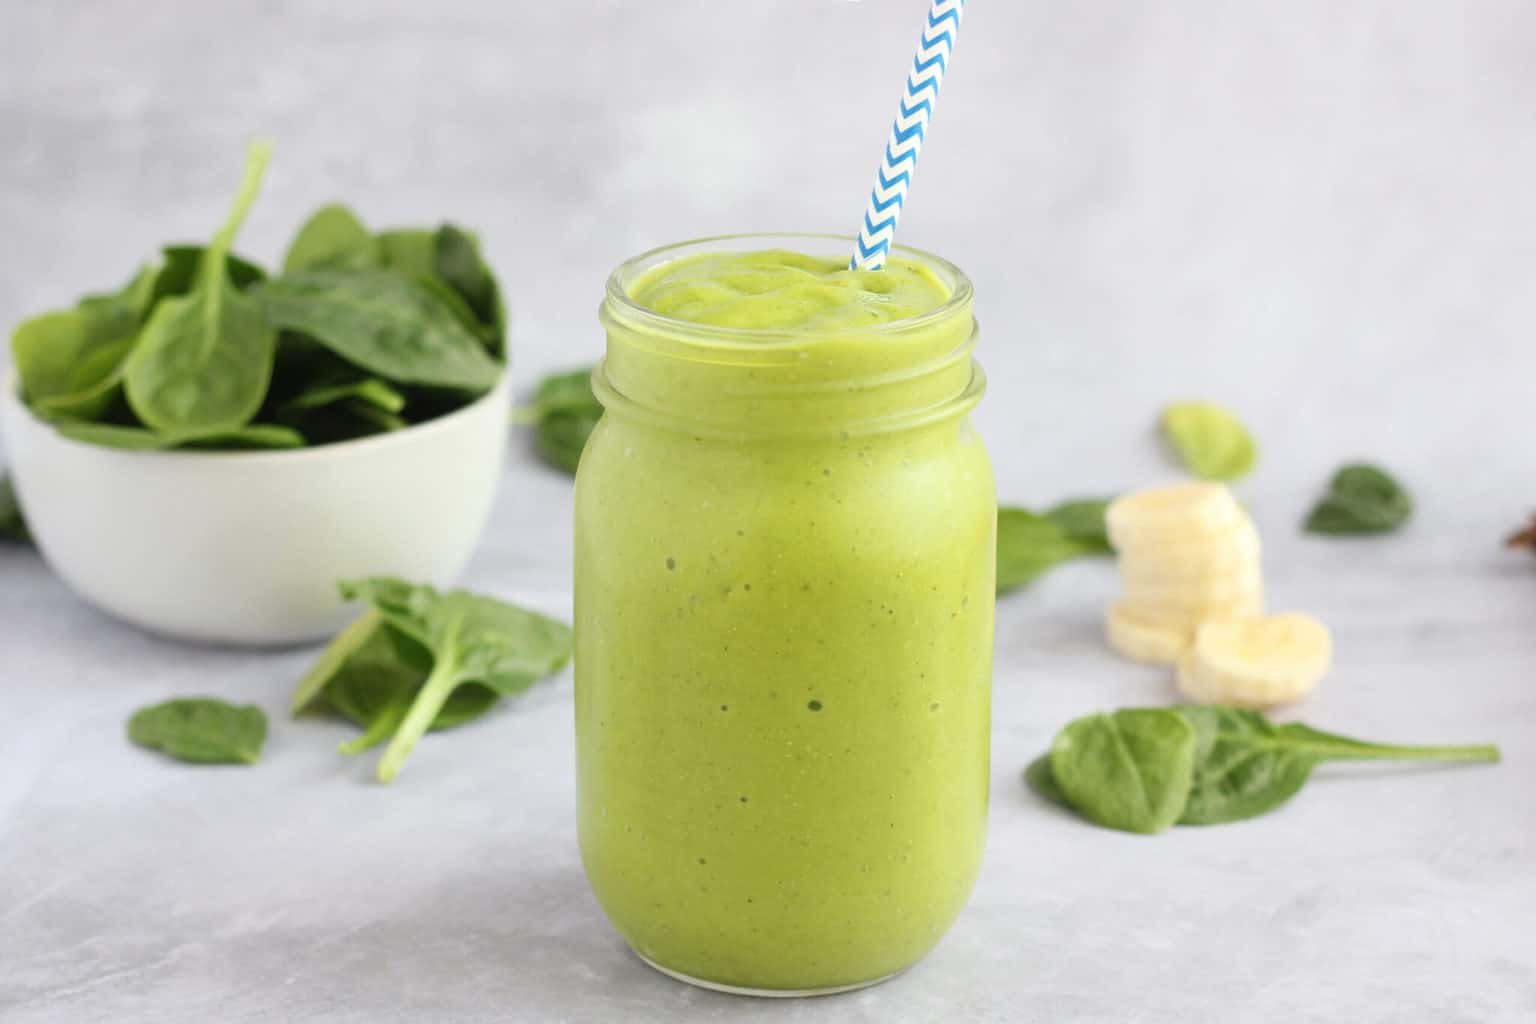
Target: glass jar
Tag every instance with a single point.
(785, 560)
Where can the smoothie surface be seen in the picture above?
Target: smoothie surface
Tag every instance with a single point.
(776, 289)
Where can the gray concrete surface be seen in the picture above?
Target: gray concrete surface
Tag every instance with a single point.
(1320, 214)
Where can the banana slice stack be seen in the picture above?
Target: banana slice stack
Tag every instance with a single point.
(1194, 597)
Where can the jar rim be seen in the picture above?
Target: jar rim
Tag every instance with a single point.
(617, 295)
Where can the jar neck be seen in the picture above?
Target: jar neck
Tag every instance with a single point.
(704, 380)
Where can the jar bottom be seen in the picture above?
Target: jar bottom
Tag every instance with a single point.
(761, 993)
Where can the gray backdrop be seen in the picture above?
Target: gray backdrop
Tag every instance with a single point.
(1319, 213)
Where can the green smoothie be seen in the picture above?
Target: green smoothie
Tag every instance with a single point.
(784, 598)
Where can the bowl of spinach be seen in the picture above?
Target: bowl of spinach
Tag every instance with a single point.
(206, 449)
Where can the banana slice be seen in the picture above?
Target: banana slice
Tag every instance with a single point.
(1187, 512)
(1228, 552)
(1144, 641)
(1189, 614)
(1197, 593)
(1256, 663)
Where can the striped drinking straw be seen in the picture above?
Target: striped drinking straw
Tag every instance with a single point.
(911, 124)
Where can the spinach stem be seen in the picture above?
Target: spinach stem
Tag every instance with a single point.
(1485, 752)
(381, 728)
(434, 693)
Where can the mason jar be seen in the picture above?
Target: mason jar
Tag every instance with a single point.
(785, 561)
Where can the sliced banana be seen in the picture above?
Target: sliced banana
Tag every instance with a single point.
(1256, 663)
(1144, 641)
(1193, 589)
(1180, 513)
(1234, 550)
(1190, 614)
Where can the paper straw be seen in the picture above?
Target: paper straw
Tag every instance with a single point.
(906, 141)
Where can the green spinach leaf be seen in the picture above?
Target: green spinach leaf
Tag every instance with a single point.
(1082, 519)
(1029, 543)
(1128, 770)
(1211, 442)
(179, 272)
(387, 324)
(563, 413)
(69, 361)
(369, 390)
(201, 730)
(203, 361)
(333, 236)
(1246, 766)
(423, 659)
(1135, 771)
(138, 439)
(1361, 499)
(1042, 780)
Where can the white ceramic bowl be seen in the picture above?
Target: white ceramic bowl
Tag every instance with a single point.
(247, 547)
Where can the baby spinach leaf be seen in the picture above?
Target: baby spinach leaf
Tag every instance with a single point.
(178, 273)
(1029, 543)
(201, 730)
(409, 251)
(1042, 780)
(137, 295)
(387, 324)
(369, 390)
(1246, 766)
(471, 640)
(564, 412)
(1128, 770)
(333, 236)
(345, 644)
(64, 358)
(1211, 442)
(1132, 770)
(1083, 519)
(457, 261)
(203, 361)
(13, 525)
(1361, 499)
(370, 675)
(111, 435)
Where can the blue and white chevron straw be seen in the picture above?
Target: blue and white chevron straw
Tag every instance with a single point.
(911, 124)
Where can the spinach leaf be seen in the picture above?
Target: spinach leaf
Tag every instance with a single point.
(1361, 499)
(1029, 543)
(1083, 519)
(563, 413)
(1128, 770)
(447, 261)
(423, 659)
(1246, 766)
(111, 435)
(1135, 771)
(333, 236)
(369, 390)
(471, 639)
(68, 362)
(387, 324)
(179, 272)
(381, 420)
(1211, 442)
(13, 525)
(1042, 780)
(370, 674)
(202, 730)
(409, 251)
(137, 295)
(457, 261)
(203, 361)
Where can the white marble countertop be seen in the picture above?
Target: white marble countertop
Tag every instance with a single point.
(1321, 217)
